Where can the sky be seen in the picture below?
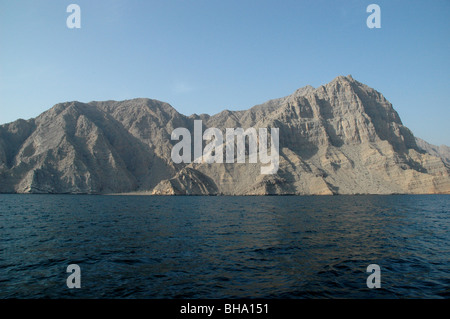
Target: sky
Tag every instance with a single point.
(204, 56)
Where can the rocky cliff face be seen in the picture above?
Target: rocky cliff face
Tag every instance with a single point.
(442, 151)
(341, 138)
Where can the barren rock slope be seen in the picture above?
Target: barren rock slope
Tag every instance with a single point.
(341, 138)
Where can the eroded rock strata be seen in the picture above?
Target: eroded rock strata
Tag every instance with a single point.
(340, 138)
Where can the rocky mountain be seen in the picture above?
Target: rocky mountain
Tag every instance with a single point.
(442, 151)
(340, 138)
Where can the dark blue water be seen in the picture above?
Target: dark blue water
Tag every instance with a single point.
(224, 247)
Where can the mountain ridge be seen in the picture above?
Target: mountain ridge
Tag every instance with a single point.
(340, 138)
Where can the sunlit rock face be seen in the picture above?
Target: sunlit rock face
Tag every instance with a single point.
(340, 138)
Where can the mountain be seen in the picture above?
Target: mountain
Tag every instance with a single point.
(442, 151)
(340, 138)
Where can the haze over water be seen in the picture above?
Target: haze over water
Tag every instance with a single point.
(224, 247)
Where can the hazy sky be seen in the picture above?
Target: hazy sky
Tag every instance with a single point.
(206, 56)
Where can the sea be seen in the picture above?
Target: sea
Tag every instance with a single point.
(214, 247)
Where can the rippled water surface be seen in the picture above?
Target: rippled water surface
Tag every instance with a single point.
(224, 247)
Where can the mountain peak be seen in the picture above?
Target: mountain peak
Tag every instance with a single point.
(304, 90)
(347, 78)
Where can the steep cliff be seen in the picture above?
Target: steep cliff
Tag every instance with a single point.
(340, 138)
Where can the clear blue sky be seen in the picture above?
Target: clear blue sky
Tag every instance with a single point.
(203, 56)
